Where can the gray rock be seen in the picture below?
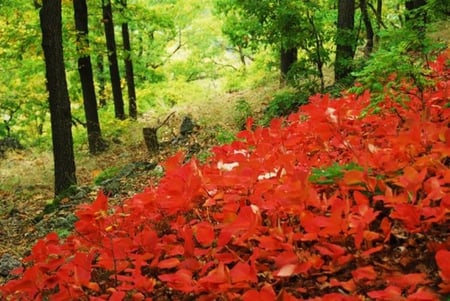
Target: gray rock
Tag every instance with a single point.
(187, 126)
(7, 264)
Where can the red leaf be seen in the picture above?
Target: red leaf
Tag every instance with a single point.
(388, 294)
(354, 177)
(204, 233)
(169, 263)
(251, 295)
(174, 162)
(267, 293)
(117, 296)
(219, 275)
(286, 271)
(181, 280)
(370, 251)
(423, 295)
(407, 280)
(349, 285)
(366, 272)
(443, 261)
(408, 214)
(82, 268)
(243, 272)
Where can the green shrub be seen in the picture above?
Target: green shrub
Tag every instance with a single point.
(224, 136)
(243, 111)
(282, 104)
(106, 174)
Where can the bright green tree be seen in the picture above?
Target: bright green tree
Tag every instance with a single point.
(297, 30)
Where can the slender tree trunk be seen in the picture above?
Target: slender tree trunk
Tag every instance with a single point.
(318, 51)
(60, 114)
(369, 29)
(129, 68)
(379, 16)
(416, 19)
(287, 58)
(95, 141)
(101, 81)
(112, 57)
(345, 40)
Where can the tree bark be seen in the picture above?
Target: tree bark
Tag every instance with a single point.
(101, 81)
(132, 107)
(96, 144)
(60, 114)
(369, 29)
(345, 40)
(287, 58)
(416, 19)
(112, 57)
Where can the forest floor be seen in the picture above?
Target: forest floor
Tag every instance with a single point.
(126, 168)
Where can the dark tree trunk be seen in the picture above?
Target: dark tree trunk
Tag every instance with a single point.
(318, 51)
(345, 40)
(151, 139)
(112, 57)
(60, 115)
(416, 19)
(129, 68)
(287, 58)
(369, 29)
(101, 81)
(379, 16)
(95, 141)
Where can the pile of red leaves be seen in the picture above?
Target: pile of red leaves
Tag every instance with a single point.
(323, 205)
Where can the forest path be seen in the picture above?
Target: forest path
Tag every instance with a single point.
(26, 177)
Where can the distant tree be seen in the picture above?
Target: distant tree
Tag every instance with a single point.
(416, 18)
(345, 40)
(60, 114)
(370, 36)
(96, 143)
(296, 29)
(112, 58)
(132, 107)
(101, 80)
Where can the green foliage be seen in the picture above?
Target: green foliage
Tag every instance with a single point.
(331, 174)
(306, 26)
(224, 136)
(243, 111)
(395, 62)
(284, 103)
(107, 174)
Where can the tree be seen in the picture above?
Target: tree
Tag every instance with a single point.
(416, 18)
(112, 58)
(96, 143)
(294, 28)
(345, 40)
(369, 29)
(128, 65)
(58, 96)
(101, 80)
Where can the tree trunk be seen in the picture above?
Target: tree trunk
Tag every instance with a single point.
(287, 58)
(318, 60)
(96, 144)
(129, 68)
(151, 139)
(112, 57)
(379, 17)
(416, 19)
(369, 29)
(345, 40)
(60, 114)
(101, 81)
